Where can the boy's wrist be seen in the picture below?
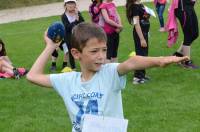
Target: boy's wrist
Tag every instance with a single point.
(159, 62)
(50, 48)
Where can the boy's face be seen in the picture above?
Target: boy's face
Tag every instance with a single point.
(93, 55)
(71, 7)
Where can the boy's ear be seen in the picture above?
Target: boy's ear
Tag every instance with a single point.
(75, 53)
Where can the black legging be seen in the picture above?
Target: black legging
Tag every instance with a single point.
(71, 58)
(140, 51)
(189, 24)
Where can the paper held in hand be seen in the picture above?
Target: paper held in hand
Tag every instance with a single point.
(150, 11)
(93, 123)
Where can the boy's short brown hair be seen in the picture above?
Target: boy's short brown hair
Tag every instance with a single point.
(82, 32)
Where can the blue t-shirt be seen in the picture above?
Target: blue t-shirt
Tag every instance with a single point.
(101, 95)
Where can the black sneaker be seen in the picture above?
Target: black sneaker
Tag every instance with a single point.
(16, 73)
(53, 68)
(137, 80)
(189, 64)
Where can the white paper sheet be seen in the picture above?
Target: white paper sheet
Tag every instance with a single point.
(93, 123)
(65, 49)
(150, 11)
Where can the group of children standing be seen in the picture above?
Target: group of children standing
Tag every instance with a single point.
(105, 15)
(70, 18)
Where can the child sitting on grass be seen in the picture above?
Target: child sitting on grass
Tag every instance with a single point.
(6, 68)
(97, 88)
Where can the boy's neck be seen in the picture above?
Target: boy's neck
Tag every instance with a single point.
(87, 75)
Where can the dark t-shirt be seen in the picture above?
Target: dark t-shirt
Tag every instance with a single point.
(187, 4)
(138, 10)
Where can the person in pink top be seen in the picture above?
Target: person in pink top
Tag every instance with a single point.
(110, 21)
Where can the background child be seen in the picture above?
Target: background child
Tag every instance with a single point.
(97, 88)
(189, 24)
(110, 21)
(160, 7)
(95, 11)
(70, 18)
(3, 54)
(139, 18)
(6, 68)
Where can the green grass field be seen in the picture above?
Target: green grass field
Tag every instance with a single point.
(168, 103)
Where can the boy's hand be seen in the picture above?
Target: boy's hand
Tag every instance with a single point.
(49, 42)
(164, 61)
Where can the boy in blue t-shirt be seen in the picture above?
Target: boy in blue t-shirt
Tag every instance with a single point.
(97, 88)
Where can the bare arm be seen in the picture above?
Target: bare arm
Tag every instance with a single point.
(6, 58)
(139, 31)
(120, 22)
(108, 20)
(36, 73)
(140, 62)
(118, 16)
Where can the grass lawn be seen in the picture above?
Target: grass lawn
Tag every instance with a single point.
(168, 103)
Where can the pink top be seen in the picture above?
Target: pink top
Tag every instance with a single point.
(112, 14)
(160, 1)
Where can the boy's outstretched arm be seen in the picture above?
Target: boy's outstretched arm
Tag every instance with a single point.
(140, 62)
(36, 73)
